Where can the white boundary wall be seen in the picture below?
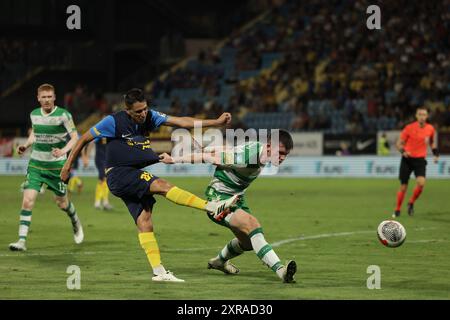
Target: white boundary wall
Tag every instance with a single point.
(350, 166)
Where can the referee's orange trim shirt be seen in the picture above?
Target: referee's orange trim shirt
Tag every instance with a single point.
(417, 138)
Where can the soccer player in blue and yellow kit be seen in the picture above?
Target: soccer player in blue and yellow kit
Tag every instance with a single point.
(128, 150)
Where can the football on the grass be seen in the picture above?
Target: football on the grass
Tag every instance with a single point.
(391, 233)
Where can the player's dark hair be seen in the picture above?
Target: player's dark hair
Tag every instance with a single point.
(284, 137)
(132, 96)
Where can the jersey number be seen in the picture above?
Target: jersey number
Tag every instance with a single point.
(146, 176)
(62, 187)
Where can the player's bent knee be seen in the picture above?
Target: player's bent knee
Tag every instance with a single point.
(160, 186)
(144, 222)
(250, 224)
(27, 204)
(62, 204)
(244, 222)
(253, 223)
(145, 226)
(421, 182)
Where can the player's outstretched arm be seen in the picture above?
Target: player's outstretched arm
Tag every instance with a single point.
(85, 152)
(401, 147)
(73, 140)
(434, 148)
(31, 139)
(85, 139)
(216, 155)
(188, 122)
(198, 157)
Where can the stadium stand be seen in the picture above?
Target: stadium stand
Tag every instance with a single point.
(292, 69)
(302, 66)
(20, 57)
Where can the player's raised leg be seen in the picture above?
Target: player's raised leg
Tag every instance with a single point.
(218, 209)
(150, 245)
(416, 194)
(68, 207)
(28, 201)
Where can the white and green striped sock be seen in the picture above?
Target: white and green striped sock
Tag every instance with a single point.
(71, 213)
(24, 226)
(231, 250)
(264, 251)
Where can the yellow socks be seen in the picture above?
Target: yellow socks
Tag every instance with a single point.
(101, 193)
(71, 185)
(185, 198)
(150, 245)
(105, 192)
(98, 192)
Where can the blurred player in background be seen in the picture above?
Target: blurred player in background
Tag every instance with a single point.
(50, 127)
(127, 152)
(236, 169)
(383, 147)
(412, 145)
(75, 182)
(101, 190)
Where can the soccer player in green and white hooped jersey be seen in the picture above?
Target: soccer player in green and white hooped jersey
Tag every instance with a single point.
(50, 127)
(235, 171)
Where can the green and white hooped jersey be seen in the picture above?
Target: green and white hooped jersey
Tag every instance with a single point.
(239, 168)
(51, 131)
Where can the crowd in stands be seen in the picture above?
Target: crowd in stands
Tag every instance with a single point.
(10, 64)
(82, 102)
(17, 57)
(318, 64)
(305, 65)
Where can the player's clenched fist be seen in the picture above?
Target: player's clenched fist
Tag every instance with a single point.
(166, 158)
(56, 152)
(21, 149)
(224, 119)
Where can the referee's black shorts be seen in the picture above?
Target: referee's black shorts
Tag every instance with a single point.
(408, 165)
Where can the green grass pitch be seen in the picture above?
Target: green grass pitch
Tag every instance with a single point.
(331, 223)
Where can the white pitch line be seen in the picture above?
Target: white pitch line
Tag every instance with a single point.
(49, 254)
(275, 244)
(329, 235)
(318, 236)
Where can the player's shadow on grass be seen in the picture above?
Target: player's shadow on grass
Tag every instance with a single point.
(245, 276)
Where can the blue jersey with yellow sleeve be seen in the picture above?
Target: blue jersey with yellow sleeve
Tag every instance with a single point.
(127, 142)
